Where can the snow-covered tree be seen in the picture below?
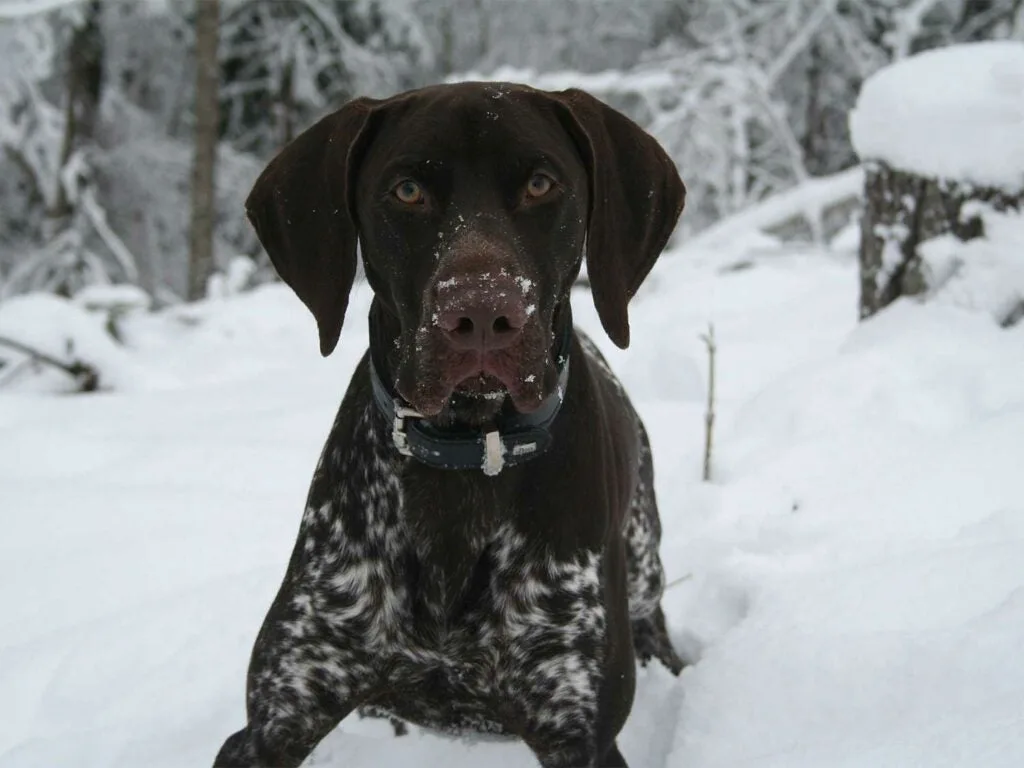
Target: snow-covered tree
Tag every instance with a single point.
(750, 96)
(97, 189)
(204, 162)
(51, 97)
(286, 63)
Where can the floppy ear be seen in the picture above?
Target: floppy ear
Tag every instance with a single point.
(636, 197)
(301, 207)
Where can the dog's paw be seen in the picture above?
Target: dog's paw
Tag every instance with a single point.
(651, 641)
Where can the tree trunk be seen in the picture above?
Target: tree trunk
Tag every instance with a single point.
(284, 106)
(207, 111)
(813, 123)
(903, 210)
(483, 13)
(84, 82)
(446, 26)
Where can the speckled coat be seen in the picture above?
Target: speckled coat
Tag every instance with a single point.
(511, 605)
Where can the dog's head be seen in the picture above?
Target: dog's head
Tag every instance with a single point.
(474, 204)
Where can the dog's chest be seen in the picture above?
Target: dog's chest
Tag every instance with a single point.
(478, 663)
(470, 642)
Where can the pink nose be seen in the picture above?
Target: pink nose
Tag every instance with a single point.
(484, 323)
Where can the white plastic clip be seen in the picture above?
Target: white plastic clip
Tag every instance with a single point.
(398, 428)
(494, 454)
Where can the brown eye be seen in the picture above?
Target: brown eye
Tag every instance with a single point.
(539, 185)
(409, 192)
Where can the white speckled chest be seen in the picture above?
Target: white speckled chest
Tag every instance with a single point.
(527, 631)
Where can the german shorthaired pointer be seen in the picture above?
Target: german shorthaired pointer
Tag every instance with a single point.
(479, 549)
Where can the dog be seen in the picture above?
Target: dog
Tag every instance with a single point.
(479, 547)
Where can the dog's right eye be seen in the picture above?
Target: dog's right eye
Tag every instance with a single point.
(408, 192)
(539, 185)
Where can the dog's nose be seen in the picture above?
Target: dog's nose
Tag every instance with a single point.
(484, 324)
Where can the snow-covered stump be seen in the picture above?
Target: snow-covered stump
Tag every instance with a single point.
(941, 135)
(903, 210)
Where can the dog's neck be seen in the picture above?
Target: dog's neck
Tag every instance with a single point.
(466, 425)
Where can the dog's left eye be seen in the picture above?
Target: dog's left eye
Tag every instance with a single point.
(409, 192)
(539, 185)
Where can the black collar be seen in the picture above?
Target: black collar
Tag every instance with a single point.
(513, 439)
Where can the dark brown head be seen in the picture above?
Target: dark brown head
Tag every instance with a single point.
(474, 204)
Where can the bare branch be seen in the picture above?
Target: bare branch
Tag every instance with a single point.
(907, 26)
(87, 377)
(798, 43)
(709, 415)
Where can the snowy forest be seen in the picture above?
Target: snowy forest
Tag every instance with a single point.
(98, 118)
(828, 358)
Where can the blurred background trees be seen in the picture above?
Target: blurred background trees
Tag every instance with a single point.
(98, 102)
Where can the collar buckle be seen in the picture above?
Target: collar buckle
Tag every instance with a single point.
(398, 434)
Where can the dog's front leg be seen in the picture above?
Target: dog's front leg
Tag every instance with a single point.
(561, 723)
(576, 751)
(558, 620)
(313, 661)
(567, 736)
(304, 677)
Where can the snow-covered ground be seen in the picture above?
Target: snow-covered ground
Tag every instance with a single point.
(851, 584)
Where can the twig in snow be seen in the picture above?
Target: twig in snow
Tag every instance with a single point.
(9, 372)
(709, 415)
(676, 582)
(87, 377)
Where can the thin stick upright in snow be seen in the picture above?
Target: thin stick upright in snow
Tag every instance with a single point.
(709, 415)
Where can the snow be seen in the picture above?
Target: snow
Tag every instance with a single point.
(850, 586)
(953, 113)
(14, 9)
(641, 80)
(987, 273)
(62, 330)
(113, 296)
(808, 200)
